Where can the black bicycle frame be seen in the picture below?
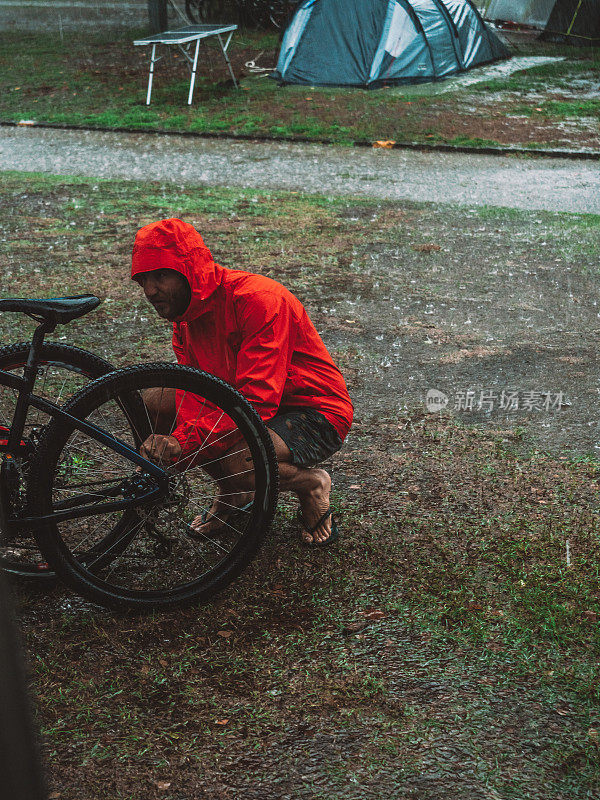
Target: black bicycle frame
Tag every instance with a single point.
(27, 399)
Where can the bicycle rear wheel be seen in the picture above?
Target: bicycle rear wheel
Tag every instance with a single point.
(196, 11)
(281, 13)
(152, 557)
(63, 371)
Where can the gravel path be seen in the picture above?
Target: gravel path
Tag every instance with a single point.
(458, 178)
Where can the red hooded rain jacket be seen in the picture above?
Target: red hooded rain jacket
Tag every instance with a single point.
(248, 330)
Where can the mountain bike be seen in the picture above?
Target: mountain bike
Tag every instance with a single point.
(251, 13)
(114, 525)
(172, 14)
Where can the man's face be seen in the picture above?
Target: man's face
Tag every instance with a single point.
(167, 290)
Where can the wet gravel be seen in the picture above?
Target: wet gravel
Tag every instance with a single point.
(458, 178)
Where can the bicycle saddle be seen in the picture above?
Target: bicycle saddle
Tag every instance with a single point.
(59, 310)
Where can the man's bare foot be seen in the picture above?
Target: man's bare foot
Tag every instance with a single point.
(313, 506)
(219, 513)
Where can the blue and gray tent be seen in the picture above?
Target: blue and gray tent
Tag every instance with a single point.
(370, 43)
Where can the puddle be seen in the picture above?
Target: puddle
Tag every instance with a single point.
(476, 75)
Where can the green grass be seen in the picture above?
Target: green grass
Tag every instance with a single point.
(578, 63)
(561, 109)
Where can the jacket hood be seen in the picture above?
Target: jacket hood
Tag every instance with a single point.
(174, 244)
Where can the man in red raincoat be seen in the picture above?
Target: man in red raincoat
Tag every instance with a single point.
(253, 333)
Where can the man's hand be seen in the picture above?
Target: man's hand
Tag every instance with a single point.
(162, 449)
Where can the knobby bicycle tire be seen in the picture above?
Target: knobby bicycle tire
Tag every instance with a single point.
(20, 555)
(152, 560)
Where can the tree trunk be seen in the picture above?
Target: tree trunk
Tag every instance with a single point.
(157, 15)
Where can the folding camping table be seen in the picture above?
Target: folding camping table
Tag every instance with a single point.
(185, 36)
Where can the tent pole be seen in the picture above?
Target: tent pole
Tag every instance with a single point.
(570, 28)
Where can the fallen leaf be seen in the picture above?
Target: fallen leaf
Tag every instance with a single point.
(221, 721)
(354, 627)
(354, 486)
(592, 616)
(163, 785)
(54, 796)
(385, 143)
(562, 711)
(373, 613)
(225, 634)
(163, 663)
(426, 248)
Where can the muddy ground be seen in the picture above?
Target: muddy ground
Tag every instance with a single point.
(443, 648)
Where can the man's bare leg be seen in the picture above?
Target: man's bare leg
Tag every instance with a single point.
(313, 487)
(160, 407)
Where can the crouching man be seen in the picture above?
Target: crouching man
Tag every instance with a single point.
(253, 333)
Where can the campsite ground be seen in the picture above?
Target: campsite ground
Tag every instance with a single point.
(444, 648)
(93, 81)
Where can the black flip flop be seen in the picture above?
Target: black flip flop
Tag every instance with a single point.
(333, 536)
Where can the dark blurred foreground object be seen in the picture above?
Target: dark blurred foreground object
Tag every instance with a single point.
(20, 764)
(575, 22)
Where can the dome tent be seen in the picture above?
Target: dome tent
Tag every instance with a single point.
(369, 43)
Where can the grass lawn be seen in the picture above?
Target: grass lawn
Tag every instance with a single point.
(443, 649)
(91, 81)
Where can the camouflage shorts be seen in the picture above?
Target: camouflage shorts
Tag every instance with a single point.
(309, 435)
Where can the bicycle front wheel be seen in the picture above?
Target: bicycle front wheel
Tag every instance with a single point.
(158, 554)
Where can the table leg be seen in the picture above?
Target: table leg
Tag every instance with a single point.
(151, 74)
(193, 75)
(224, 49)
